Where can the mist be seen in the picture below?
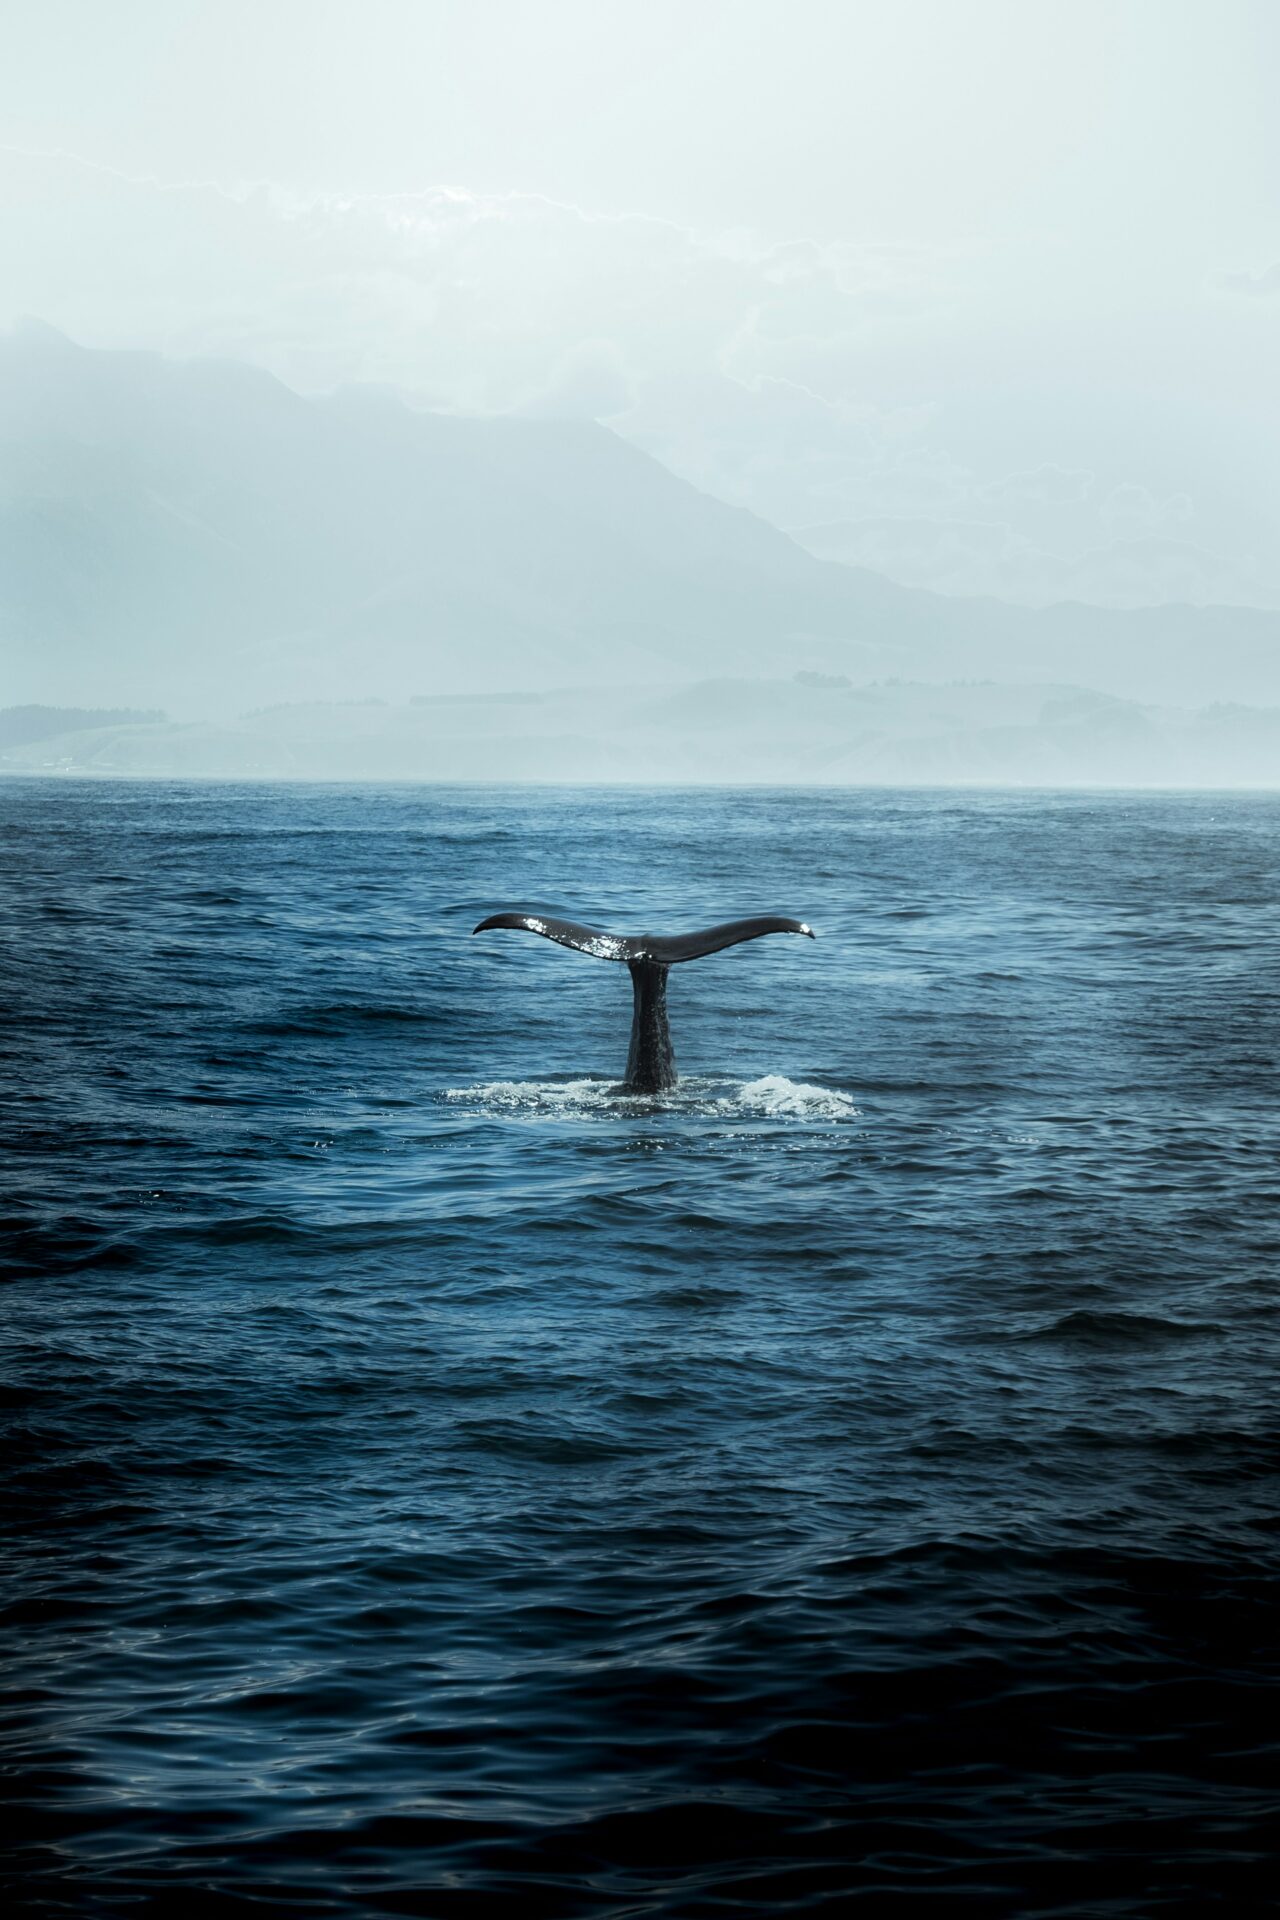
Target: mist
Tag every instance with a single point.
(364, 367)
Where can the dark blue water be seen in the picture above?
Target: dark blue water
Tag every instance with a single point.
(436, 1486)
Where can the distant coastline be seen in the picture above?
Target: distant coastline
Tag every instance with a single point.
(809, 730)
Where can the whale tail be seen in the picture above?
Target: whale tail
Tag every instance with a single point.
(651, 1066)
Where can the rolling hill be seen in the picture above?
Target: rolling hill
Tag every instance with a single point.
(194, 535)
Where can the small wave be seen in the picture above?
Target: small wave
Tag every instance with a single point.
(772, 1097)
(776, 1095)
(350, 1015)
(1116, 1328)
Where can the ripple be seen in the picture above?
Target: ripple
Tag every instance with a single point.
(439, 1485)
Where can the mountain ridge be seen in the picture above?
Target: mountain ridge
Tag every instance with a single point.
(195, 535)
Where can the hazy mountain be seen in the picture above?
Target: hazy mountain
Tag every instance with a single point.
(194, 534)
(19, 725)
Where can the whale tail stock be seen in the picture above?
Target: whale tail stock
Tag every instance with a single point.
(651, 1066)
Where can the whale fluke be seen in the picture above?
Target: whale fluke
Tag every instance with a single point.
(675, 947)
(651, 1066)
(567, 933)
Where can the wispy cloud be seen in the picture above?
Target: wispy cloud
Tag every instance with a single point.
(892, 388)
(1256, 285)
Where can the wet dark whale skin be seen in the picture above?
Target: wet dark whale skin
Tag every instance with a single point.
(651, 1060)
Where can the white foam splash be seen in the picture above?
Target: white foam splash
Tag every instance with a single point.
(542, 1096)
(774, 1097)
(777, 1095)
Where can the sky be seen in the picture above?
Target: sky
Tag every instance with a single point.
(985, 291)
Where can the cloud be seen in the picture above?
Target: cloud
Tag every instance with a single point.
(590, 382)
(992, 559)
(1159, 571)
(1134, 513)
(938, 403)
(1257, 285)
(956, 556)
(1042, 486)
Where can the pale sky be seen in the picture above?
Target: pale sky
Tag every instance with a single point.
(993, 284)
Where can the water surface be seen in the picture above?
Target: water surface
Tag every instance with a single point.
(439, 1486)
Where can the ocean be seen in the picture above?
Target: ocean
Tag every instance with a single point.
(438, 1485)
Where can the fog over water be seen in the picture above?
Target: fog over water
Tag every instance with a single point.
(974, 301)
